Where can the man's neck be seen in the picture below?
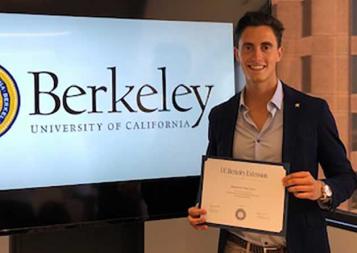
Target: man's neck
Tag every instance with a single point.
(259, 94)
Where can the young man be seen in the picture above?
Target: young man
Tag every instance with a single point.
(269, 121)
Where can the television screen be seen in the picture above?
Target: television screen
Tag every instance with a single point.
(98, 115)
(88, 100)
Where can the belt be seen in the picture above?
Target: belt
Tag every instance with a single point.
(254, 248)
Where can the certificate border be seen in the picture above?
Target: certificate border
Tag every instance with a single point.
(286, 166)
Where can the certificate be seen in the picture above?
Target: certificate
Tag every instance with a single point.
(245, 194)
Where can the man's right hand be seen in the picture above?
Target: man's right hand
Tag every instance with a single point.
(196, 217)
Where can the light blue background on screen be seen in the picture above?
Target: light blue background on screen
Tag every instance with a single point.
(80, 51)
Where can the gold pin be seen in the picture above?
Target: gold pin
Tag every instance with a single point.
(297, 105)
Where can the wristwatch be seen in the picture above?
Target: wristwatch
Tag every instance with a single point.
(326, 192)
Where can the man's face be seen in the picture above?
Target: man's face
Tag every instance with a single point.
(258, 54)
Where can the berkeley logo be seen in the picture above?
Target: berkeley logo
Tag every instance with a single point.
(9, 100)
(132, 100)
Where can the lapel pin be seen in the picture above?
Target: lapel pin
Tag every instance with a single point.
(297, 105)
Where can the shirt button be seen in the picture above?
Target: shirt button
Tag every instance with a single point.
(258, 141)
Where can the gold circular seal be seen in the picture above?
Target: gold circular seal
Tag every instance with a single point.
(9, 100)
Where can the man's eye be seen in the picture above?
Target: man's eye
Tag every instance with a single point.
(248, 48)
(266, 48)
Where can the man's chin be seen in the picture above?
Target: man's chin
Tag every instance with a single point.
(258, 79)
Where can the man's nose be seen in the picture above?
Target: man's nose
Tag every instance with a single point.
(257, 54)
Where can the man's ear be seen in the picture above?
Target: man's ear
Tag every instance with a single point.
(236, 54)
(280, 52)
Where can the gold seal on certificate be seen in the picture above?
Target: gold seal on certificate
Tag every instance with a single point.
(245, 194)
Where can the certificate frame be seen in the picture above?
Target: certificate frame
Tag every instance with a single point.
(281, 231)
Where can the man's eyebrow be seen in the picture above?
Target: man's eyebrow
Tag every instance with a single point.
(247, 44)
(267, 43)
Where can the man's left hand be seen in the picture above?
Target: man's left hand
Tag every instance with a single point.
(303, 185)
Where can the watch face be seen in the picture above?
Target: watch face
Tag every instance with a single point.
(327, 190)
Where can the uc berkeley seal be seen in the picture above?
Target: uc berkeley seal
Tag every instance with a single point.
(9, 100)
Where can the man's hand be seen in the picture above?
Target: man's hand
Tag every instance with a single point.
(303, 185)
(196, 216)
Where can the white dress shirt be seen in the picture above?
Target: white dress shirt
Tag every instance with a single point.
(260, 145)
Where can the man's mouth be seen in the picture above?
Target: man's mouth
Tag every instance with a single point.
(256, 67)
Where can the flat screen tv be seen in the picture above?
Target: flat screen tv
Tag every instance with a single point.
(103, 106)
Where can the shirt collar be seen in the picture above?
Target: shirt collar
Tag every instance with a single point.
(276, 100)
